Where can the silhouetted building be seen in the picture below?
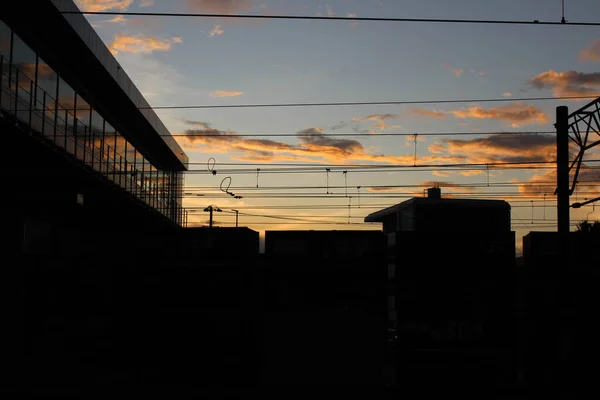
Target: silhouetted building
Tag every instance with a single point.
(324, 308)
(84, 150)
(437, 214)
(205, 246)
(541, 250)
(558, 331)
(450, 278)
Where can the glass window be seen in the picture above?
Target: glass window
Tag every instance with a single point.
(5, 40)
(110, 135)
(23, 58)
(120, 144)
(97, 123)
(66, 97)
(46, 85)
(84, 111)
(83, 115)
(66, 107)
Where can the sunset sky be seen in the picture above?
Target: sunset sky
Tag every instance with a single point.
(182, 61)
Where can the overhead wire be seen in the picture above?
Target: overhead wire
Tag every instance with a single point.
(366, 103)
(330, 18)
(367, 134)
(314, 168)
(442, 184)
(341, 206)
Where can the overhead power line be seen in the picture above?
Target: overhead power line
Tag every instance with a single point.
(582, 183)
(369, 134)
(333, 18)
(308, 168)
(369, 103)
(540, 203)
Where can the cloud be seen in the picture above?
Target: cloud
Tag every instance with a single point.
(43, 70)
(313, 146)
(155, 76)
(515, 114)
(141, 43)
(570, 83)
(216, 31)
(507, 94)
(428, 113)
(225, 93)
(500, 148)
(450, 188)
(119, 19)
(380, 119)
(456, 71)
(441, 173)
(329, 9)
(354, 24)
(222, 6)
(340, 125)
(544, 183)
(146, 3)
(592, 53)
(103, 5)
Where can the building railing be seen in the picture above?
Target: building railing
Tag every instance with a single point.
(41, 115)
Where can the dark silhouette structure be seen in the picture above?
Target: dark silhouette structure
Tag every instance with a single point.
(558, 344)
(98, 157)
(110, 292)
(451, 265)
(324, 308)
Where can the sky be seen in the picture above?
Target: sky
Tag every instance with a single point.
(181, 61)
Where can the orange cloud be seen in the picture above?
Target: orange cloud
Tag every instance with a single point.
(592, 53)
(570, 83)
(507, 94)
(544, 183)
(225, 93)
(450, 188)
(141, 44)
(222, 6)
(216, 31)
(441, 173)
(313, 146)
(103, 5)
(146, 3)
(456, 71)
(428, 113)
(119, 19)
(43, 70)
(380, 119)
(472, 172)
(515, 114)
(500, 148)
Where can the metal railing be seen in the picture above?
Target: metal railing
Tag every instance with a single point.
(42, 116)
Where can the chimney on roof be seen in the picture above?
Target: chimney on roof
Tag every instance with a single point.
(434, 193)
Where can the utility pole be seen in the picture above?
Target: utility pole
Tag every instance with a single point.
(236, 217)
(562, 181)
(210, 209)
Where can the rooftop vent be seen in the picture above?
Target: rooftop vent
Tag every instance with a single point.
(434, 193)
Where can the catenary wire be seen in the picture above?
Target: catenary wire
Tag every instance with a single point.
(330, 18)
(367, 103)
(373, 135)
